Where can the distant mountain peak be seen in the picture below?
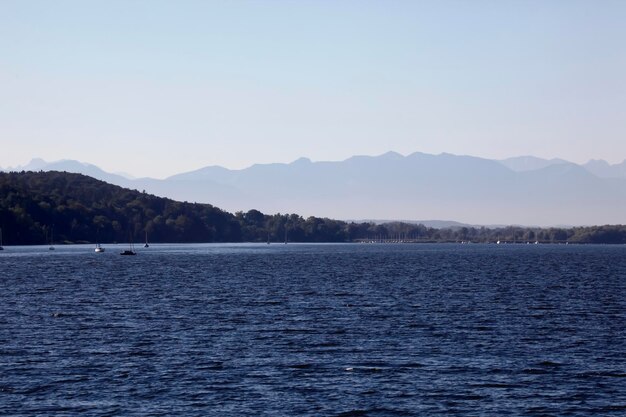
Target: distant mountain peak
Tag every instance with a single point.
(73, 166)
(301, 161)
(392, 155)
(35, 164)
(530, 163)
(388, 156)
(603, 169)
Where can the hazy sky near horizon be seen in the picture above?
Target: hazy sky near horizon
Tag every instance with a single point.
(154, 88)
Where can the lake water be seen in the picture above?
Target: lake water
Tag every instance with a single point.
(314, 330)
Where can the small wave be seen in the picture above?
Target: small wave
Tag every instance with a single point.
(37, 389)
(76, 379)
(298, 331)
(325, 345)
(353, 413)
(601, 374)
(412, 365)
(266, 302)
(535, 371)
(542, 308)
(484, 328)
(610, 408)
(496, 385)
(7, 389)
(500, 371)
(43, 290)
(142, 353)
(300, 366)
(549, 364)
(364, 369)
(210, 366)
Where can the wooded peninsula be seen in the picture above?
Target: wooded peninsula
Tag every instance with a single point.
(36, 207)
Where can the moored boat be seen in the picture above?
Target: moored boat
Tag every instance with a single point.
(51, 247)
(131, 247)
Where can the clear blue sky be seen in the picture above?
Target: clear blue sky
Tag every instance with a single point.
(158, 87)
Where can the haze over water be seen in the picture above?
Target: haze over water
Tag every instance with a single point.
(351, 330)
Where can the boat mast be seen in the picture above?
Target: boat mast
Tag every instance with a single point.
(51, 238)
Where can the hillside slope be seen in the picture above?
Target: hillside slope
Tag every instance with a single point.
(83, 209)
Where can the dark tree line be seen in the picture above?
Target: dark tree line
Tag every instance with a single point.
(78, 209)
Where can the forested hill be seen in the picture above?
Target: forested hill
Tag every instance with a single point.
(74, 208)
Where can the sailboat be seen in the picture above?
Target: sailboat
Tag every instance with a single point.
(1, 248)
(129, 251)
(146, 245)
(51, 247)
(99, 248)
(131, 247)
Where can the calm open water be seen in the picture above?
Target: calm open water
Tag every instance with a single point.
(314, 330)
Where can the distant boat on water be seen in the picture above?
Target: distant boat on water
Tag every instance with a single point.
(99, 248)
(51, 247)
(1, 248)
(146, 245)
(131, 247)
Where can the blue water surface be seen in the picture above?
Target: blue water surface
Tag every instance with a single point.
(313, 330)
